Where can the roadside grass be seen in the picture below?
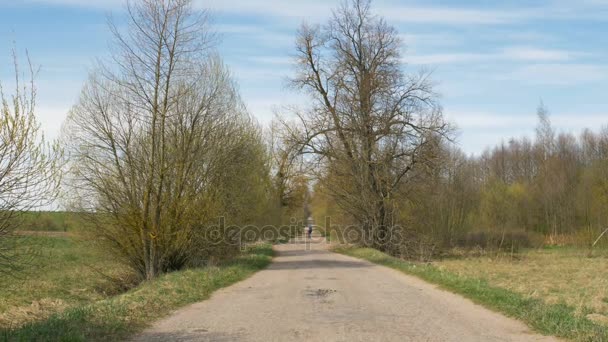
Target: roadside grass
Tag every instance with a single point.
(119, 317)
(555, 275)
(558, 319)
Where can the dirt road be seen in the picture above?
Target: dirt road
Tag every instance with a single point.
(311, 294)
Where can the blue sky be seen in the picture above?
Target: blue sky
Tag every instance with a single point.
(493, 60)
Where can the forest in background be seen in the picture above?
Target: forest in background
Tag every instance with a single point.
(550, 189)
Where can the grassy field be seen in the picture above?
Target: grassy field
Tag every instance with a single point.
(555, 275)
(50, 221)
(60, 274)
(65, 298)
(553, 291)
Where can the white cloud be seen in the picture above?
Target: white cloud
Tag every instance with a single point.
(399, 12)
(447, 15)
(517, 54)
(445, 58)
(273, 60)
(480, 120)
(392, 10)
(487, 120)
(275, 8)
(264, 108)
(479, 130)
(317, 9)
(272, 76)
(535, 54)
(430, 39)
(525, 36)
(256, 33)
(572, 122)
(97, 4)
(51, 119)
(558, 74)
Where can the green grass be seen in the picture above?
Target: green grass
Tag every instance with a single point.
(556, 319)
(50, 221)
(118, 317)
(56, 272)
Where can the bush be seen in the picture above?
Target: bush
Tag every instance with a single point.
(498, 240)
(49, 221)
(43, 222)
(586, 237)
(412, 245)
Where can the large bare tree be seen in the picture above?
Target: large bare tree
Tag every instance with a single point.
(161, 143)
(369, 119)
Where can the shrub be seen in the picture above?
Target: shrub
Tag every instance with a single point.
(498, 240)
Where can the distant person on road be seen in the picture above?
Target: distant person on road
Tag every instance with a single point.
(309, 231)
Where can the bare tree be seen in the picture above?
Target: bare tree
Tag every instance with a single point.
(29, 177)
(369, 120)
(160, 141)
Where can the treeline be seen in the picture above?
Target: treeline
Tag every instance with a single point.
(388, 175)
(554, 185)
(550, 189)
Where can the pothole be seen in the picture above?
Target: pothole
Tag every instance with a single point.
(320, 293)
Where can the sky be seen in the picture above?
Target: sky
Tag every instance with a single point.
(493, 61)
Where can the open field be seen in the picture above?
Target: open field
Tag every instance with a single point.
(64, 298)
(562, 289)
(555, 275)
(62, 272)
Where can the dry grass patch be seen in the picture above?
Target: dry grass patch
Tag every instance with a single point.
(555, 275)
